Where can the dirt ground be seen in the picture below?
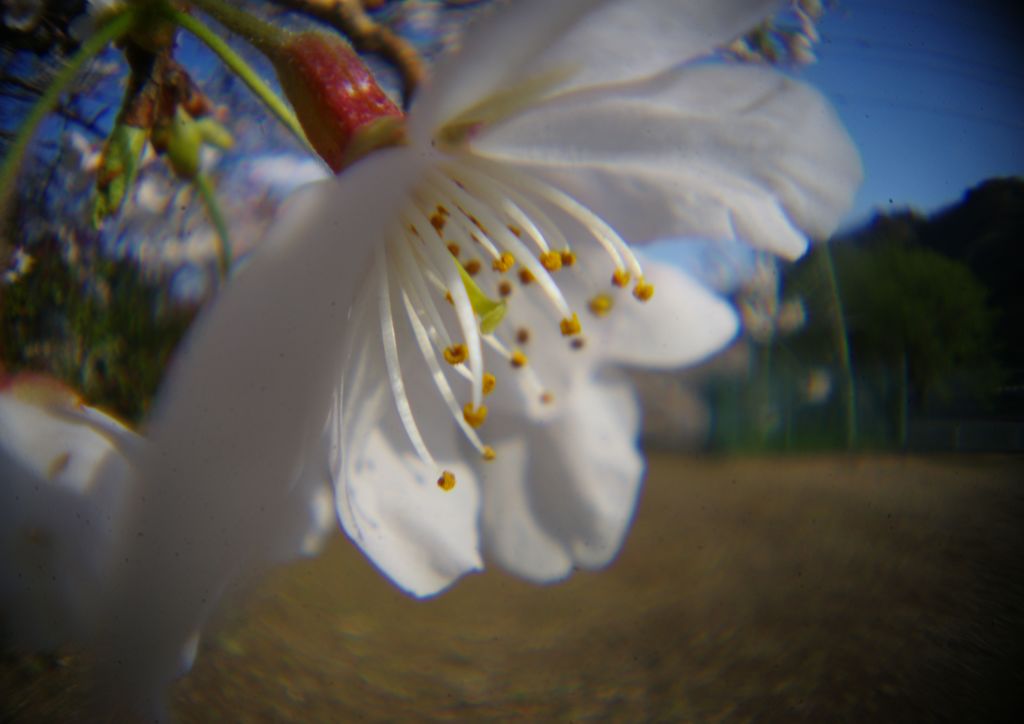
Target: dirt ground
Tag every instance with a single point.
(779, 589)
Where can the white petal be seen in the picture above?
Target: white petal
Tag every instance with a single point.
(421, 537)
(600, 41)
(513, 535)
(570, 501)
(307, 517)
(246, 397)
(711, 151)
(388, 500)
(682, 324)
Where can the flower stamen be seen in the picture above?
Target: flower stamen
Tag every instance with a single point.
(474, 416)
(437, 374)
(600, 305)
(570, 326)
(505, 262)
(643, 290)
(447, 481)
(551, 260)
(479, 210)
(393, 366)
(455, 354)
(451, 271)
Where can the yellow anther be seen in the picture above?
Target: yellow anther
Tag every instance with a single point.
(437, 220)
(518, 359)
(504, 263)
(488, 453)
(473, 267)
(489, 382)
(454, 249)
(447, 481)
(620, 278)
(522, 335)
(568, 258)
(600, 305)
(525, 276)
(456, 354)
(551, 260)
(547, 398)
(516, 231)
(474, 417)
(448, 298)
(504, 289)
(570, 325)
(643, 290)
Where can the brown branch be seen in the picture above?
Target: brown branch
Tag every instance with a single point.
(350, 19)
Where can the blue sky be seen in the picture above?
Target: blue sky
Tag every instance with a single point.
(932, 92)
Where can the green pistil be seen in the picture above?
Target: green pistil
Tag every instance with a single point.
(489, 311)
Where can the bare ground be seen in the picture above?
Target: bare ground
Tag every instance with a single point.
(779, 589)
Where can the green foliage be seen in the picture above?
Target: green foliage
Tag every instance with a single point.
(928, 309)
(102, 328)
(906, 304)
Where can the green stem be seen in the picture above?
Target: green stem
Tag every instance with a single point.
(205, 189)
(110, 31)
(264, 36)
(242, 69)
(841, 339)
(902, 416)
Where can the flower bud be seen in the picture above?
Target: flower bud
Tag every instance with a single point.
(119, 165)
(343, 111)
(184, 143)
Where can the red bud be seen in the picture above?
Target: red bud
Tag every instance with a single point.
(343, 111)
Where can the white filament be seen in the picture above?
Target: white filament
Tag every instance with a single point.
(492, 173)
(446, 265)
(518, 249)
(599, 229)
(492, 194)
(387, 329)
(419, 296)
(532, 380)
(440, 381)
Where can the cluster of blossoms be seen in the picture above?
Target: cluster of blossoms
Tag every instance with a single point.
(436, 334)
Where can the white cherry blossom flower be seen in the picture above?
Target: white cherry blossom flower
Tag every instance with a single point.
(439, 330)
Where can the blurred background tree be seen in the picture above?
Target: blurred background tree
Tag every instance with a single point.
(931, 307)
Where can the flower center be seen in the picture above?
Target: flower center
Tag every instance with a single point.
(473, 233)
